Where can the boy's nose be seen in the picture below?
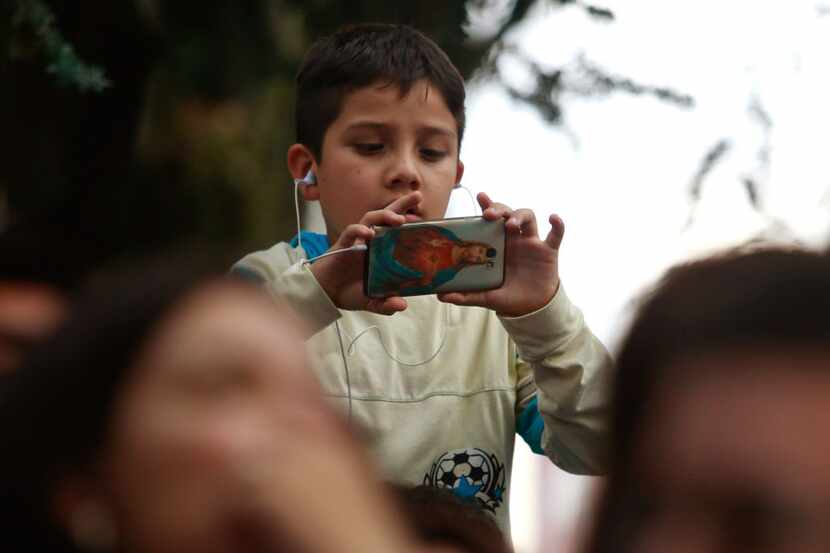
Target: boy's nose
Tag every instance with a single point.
(404, 173)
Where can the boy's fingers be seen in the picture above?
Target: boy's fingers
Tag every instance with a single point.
(463, 298)
(497, 211)
(392, 214)
(405, 202)
(386, 306)
(354, 234)
(383, 217)
(484, 201)
(524, 220)
(557, 231)
(394, 304)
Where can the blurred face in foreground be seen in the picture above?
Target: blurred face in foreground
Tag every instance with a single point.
(735, 456)
(222, 442)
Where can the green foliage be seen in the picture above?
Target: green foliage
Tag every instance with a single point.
(35, 18)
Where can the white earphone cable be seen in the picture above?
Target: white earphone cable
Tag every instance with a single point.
(297, 183)
(346, 366)
(476, 207)
(363, 247)
(377, 329)
(297, 211)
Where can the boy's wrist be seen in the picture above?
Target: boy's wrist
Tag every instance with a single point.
(530, 306)
(325, 277)
(547, 329)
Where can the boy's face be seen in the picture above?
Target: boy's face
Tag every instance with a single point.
(383, 146)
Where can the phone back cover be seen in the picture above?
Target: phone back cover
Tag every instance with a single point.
(462, 254)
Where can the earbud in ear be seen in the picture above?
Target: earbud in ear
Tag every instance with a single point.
(309, 179)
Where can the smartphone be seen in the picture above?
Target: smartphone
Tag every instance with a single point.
(429, 257)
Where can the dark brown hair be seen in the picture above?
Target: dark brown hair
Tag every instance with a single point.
(359, 55)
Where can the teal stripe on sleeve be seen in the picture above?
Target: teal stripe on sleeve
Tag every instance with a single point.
(530, 426)
(314, 244)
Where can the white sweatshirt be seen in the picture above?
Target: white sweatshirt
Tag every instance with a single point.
(442, 390)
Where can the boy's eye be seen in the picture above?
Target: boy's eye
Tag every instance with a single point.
(432, 155)
(368, 147)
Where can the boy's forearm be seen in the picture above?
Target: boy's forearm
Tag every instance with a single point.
(571, 369)
(296, 286)
(573, 402)
(301, 290)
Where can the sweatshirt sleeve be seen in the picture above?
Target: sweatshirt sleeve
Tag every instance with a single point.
(291, 281)
(562, 386)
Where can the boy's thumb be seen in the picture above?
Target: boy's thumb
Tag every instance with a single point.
(557, 231)
(463, 298)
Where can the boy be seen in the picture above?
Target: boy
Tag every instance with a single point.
(442, 387)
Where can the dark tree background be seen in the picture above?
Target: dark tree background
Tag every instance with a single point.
(136, 125)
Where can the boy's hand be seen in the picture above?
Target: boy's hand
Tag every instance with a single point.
(341, 275)
(531, 276)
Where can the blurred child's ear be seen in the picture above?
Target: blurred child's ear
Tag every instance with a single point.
(301, 164)
(459, 172)
(82, 511)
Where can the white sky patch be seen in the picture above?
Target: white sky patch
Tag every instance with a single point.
(621, 181)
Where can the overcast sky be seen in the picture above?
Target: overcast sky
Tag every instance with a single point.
(620, 171)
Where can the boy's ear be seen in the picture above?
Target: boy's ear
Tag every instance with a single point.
(300, 162)
(459, 172)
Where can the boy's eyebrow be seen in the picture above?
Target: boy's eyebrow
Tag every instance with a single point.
(377, 126)
(431, 129)
(369, 125)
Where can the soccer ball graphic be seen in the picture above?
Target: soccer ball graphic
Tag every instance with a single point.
(465, 470)
(471, 474)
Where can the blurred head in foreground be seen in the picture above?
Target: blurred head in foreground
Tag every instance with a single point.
(446, 523)
(176, 412)
(722, 410)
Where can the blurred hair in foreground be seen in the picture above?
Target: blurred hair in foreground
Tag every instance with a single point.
(440, 517)
(721, 411)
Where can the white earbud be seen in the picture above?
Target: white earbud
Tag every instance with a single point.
(309, 179)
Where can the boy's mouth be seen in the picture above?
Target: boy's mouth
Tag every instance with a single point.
(412, 215)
